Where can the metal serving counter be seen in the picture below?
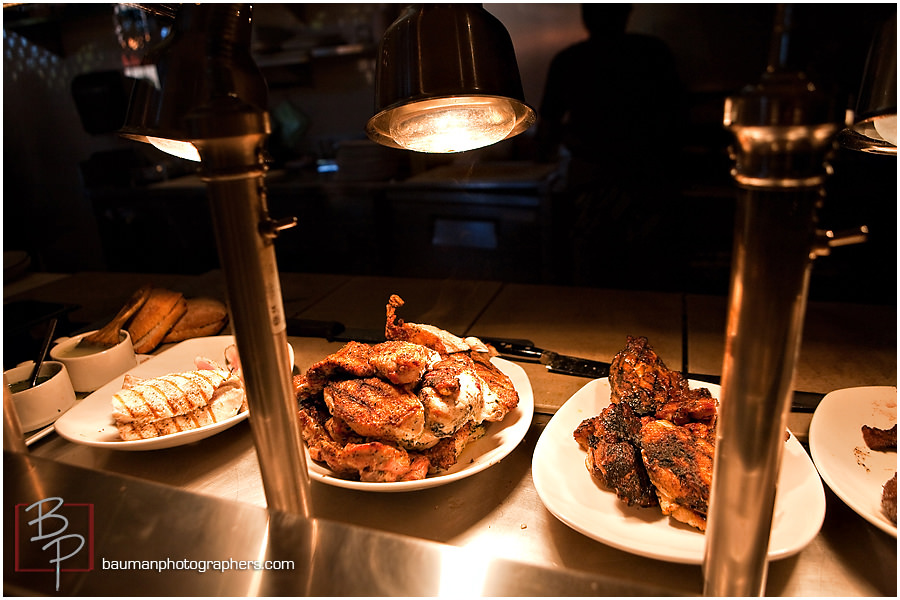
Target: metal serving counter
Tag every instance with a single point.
(496, 516)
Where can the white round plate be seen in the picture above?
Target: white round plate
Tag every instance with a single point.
(499, 440)
(853, 471)
(574, 497)
(90, 421)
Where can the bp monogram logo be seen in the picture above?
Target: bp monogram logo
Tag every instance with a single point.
(54, 536)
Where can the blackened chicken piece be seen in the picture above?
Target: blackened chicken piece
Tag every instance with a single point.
(685, 405)
(612, 456)
(679, 461)
(889, 498)
(880, 439)
(638, 376)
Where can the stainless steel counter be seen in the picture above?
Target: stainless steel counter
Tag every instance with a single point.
(497, 514)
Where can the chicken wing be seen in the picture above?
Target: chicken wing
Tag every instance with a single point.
(427, 335)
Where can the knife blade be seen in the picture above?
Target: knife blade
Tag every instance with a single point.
(523, 349)
(554, 361)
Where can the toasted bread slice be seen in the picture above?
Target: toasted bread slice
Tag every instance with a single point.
(155, 318)
(204, 316)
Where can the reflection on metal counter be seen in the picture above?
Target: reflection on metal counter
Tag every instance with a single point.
(147, 539)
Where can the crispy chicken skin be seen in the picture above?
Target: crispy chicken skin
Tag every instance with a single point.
(638, 376)
(680, 465)
(352, 360)
(373, 407)
(655, 439)
(613, 457)
(404, 408)
(402, 362)
(370, 461)
(427, 335)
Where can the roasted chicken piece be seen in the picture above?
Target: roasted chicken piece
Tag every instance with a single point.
(398, 362)
(880, 439)
(373, 407)
(402, 362)
(370, 461)
(427, 335)
(445, 453)
(679, 461)
(452, 395)
(352, 360)
(638, 376)
(613, 457)
(403, 408)
(500, 396)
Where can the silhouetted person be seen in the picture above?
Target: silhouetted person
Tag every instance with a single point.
(612, 110)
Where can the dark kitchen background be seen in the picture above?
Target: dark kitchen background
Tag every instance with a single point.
(79, 198)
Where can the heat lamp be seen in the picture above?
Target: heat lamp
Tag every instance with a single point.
(447, 81)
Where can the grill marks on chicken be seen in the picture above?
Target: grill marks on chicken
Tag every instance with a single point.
(376, 408)
(402, 409)
(654, 443)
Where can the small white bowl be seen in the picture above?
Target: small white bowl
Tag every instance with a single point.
(48, 400)
(91, 368)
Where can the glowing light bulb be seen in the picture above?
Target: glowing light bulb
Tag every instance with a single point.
(177, 148)
(452, 124)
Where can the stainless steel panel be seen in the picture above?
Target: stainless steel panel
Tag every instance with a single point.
(160, 529)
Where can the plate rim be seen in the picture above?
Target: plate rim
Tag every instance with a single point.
(826, 466)
(325, 476)
(680, 556)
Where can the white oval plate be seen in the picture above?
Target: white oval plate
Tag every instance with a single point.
(90, 421)
(499, 440)
(853, 471)
(574, 497)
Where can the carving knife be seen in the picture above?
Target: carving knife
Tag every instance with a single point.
(520, 349)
